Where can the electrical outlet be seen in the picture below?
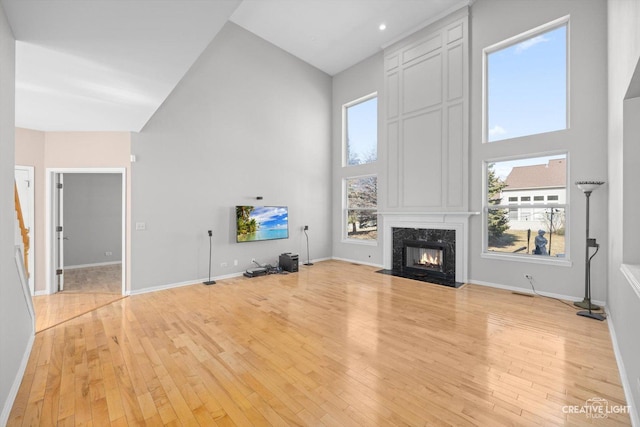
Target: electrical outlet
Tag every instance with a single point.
(528, 276)
(141, 226)
(253, 260)
(235, 262)
(223, 264)
(108, 253)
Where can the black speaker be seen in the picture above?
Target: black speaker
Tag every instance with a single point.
(289, 262)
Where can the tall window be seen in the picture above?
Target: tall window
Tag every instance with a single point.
(361, 205)
(519, 219)
(360, 182)
(361, 131)
(526, 83)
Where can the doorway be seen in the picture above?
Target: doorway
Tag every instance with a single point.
(86, 227)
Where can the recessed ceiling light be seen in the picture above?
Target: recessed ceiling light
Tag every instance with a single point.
(382, 26)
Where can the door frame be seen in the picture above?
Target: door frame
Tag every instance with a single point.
(50, 218)
(32, 229)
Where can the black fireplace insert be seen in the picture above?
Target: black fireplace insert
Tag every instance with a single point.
(424, 257)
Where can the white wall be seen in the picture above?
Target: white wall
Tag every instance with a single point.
(624, 303)
(15, 323)
(92, 218)
(360, 80)
(247, 120)
(494, 21)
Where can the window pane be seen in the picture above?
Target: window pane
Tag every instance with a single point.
(362, 132)
(362, 224)
(513, 228)
(521, 237)
(362, 202)
(362, 192)
(527, 86)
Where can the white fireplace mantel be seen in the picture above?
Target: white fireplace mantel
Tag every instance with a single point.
(458, 221)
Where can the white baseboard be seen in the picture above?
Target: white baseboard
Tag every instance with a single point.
(13, 392)
(40, 293)
(97, 264)
(198, 281)
(353, 261)
(530, 291)
(181, 284)
(624, 378)
(301, 261)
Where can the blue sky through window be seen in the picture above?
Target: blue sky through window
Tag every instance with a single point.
(527, 87)
(362, 132)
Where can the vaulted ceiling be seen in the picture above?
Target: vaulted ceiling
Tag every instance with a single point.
(107, 65)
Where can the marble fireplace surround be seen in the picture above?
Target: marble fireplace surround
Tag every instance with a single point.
(458, 221)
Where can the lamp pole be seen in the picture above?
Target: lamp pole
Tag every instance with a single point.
(305, 228)
(210, 282)
(587, 188)
(550, 230)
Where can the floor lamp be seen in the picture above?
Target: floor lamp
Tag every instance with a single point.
(587, 188)
(210, 282)
(306, 227)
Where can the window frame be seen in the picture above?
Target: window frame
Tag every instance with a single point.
(345, 127)
(557, 23)
(534, 259)
(346, 209)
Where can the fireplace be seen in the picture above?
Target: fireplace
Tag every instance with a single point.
(421, 257)
(424, 254)
(446, 228)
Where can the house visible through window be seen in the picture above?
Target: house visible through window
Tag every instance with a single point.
(513, 227)
(361, 131)
(361, 207)
(526, 84)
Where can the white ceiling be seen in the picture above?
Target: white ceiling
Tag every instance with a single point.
(107, 65)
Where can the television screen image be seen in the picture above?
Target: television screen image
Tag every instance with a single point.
(254, 223)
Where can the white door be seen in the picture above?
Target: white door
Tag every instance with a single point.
(26, 190)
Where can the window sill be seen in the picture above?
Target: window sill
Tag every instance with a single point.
(632, 273)
(532, 259)
(361, 242)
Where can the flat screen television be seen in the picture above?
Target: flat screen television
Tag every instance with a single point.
(255, 223)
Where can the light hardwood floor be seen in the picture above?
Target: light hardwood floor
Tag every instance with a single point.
(335, 344)
(86, 289)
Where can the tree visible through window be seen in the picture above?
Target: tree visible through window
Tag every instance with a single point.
(526, 84)
(362, 204)
(361, 127)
